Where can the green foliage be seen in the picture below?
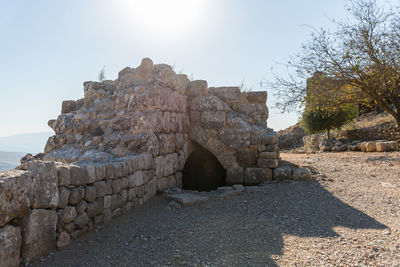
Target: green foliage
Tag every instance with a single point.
(319, 120)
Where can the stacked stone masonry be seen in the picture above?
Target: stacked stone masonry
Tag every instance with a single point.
(122, 143)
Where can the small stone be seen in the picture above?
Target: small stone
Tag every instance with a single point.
(63, 240)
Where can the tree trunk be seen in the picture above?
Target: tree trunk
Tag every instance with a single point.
(329, 133)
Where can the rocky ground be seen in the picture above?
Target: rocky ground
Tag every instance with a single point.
(348, 216)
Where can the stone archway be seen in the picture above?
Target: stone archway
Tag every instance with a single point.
(202, 170)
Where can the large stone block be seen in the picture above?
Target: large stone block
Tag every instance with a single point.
(38, 233)
(208, 103)
(10, 246)
(254, 176)
(267, 163)
(14, 188)
(235, 176)
(44, 193)
(259, 97)
(387, 146)
(196, 88)
(229, 95)
(282, 173)
(79, 175)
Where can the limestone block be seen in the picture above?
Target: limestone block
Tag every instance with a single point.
(107, 202)
(64, 154)
(230, 95)
(136, 179)
(235, 138)
(370, 147)
(64, 175)
(150, 174)
(76, 195)
(116, 186)
(258, 112)
(282, 173)
(68, 106)
(387, 146)
(82, 220)
(246, 157)
(44, 193)
(254, 176)
(90, 193)
(64, 197)
(167, 143)
(10, 245)
(267, 163)
(79, 175)
(235, 176)
(259, 97)
(208, 103)
(269, 138)
(38, 233)
(269, 155)
(14, 200)
(109, 187)
(178, 179)
(131, 194)
(101, 188)
(162, 184)
(94, 209)
(194, 116)
(81, 207)
(196, 88)
(302, 174)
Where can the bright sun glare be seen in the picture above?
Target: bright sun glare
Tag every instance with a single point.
(165, 17)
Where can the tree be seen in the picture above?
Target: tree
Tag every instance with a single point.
(363, 53)
(318, 120)
(102, 74)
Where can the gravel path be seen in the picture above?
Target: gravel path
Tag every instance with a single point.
(349, 216)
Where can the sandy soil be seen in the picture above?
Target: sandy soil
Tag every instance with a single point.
(348, 216)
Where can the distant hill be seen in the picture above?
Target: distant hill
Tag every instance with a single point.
(9, 160)
(27, 142)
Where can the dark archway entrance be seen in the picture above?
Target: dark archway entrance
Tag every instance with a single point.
(203, 171)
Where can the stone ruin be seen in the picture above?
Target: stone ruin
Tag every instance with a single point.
(126, 140)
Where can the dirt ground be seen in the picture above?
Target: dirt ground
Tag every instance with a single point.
(348, 216)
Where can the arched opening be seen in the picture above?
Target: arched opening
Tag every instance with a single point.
(203, 171)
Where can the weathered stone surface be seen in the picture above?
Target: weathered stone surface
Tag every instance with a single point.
(96, 156)
(234, 176)
(69, 214)
(10, 244)
(38, 233)
(282, 173)
(79, 175)
(90, 193)
(76, 195)
(64, 197)
(64, 175)
(370, 146)
(64, 154)
(101, 188)
(44, 193)
(14, 188)
(196, 88)
(259, 97)
(269, 155)
(387, 146)
(254, 176)
(302, 174)
(82, 220)
(187, 199)
(267, 163)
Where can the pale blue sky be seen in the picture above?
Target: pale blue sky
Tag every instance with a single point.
(48, 48)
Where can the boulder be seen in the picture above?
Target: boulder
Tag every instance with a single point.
(302, 174)
(282, 173)
(254, 176)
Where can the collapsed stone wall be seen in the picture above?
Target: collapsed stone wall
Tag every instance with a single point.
(119, 145)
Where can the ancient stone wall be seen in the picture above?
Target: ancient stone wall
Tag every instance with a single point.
(119, 145)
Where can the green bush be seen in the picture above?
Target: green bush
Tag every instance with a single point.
(317, 120)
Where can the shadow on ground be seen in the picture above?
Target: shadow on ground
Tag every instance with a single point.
(243, 230)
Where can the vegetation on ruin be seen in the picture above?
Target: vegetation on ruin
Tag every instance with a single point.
(362, 53)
